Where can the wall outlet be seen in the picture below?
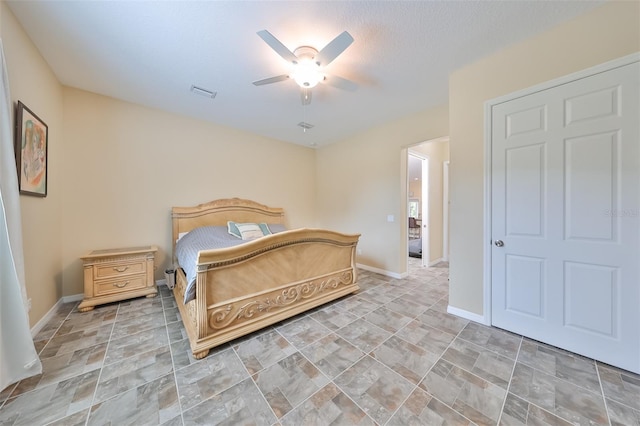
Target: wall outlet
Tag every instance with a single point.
(390, 218)
(359, 251)
(29, 305)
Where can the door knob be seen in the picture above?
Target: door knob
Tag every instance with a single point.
(499, 243)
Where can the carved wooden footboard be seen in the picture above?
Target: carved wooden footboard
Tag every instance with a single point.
(247, 287)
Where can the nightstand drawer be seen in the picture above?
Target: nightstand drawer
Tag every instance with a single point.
(120, 285)
(120, 269)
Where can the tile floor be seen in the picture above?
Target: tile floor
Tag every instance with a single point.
(390, 355)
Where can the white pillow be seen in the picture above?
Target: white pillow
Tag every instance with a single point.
(232, 228)
(249, 231)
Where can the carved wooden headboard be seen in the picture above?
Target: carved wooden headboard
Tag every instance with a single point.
(219, 212)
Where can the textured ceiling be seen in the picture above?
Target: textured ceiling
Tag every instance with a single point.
(151, 52)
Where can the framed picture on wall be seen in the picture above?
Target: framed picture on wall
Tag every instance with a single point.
(31, 145)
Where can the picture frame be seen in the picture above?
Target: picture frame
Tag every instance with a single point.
(31, 146)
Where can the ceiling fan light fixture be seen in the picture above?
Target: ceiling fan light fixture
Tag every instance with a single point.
(308, 64)
(306, 73)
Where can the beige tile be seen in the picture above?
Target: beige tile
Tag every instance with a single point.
(518, 412)
(289, 382)
(424, 296)
(333, 317)
(328, 406)
(432, 339)
(406, 307)
(620, 385)
(482, 362)
(423, 409)
(241, 404)
(363, 335)
(559, 363)
(79, 321)
(621, 415)
(132, 372)
(387, 320)
(52, 402)
(76, 419)
(332, 354)
(138, 324)
(71, 342)
(208, 377)
(561, 398)
(303, 331)
(357, 306)
(63, 367)
(151, 403)
(494, 339)
(134, 344)
(437, 318)
(468, 394)
(263, 350)
(375, 388)
(410, 361)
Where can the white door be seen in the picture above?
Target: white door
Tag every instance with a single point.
(566, 216)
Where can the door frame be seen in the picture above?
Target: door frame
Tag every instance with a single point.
(425, 229)
(445, 210)
(424, 201)
(488, 105)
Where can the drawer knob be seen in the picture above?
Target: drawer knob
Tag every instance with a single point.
(120, 269)
(121, 285)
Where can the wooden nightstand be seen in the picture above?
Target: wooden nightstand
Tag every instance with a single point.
(118, 274)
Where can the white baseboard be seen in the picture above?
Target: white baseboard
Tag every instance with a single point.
(381, 271)
(72, 298)
(436, 261)
(45, 319)
(468, 315)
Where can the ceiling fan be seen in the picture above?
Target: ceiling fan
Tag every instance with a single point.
(308, 64)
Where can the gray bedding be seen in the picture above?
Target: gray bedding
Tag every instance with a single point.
(205, 238)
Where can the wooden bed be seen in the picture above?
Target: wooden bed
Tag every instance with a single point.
(247, 287)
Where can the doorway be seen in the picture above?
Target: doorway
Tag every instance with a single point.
(418, 206)
(424, 201)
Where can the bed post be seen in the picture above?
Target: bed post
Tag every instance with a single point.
(202, 328)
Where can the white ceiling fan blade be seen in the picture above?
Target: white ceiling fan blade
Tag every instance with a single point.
(280, 48)
(333, 49)
(340, 83)
(305, 95)
(271, 80)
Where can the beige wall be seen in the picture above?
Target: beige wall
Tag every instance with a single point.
(438, 153)
(32, 82)
(362, 179)
(126, 165)
(606, 33)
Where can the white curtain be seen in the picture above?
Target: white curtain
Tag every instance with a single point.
(18, 356)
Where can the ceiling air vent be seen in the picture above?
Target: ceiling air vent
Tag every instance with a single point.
(203, 92)
(305, 126)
